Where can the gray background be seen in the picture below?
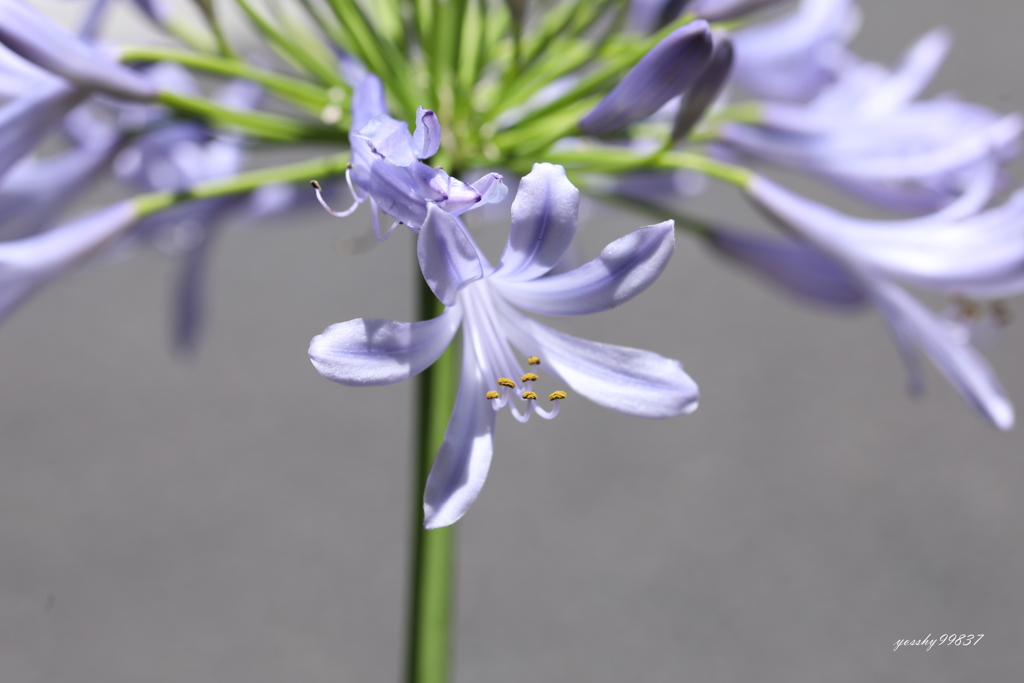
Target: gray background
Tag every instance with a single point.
(235, 517)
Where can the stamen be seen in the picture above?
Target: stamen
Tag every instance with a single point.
(492, 395)
(557, 396)
(533, 360)
(340, 214)
(529, 377)
(530, 395)
(506, 382)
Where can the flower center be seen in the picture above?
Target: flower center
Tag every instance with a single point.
(508, 391)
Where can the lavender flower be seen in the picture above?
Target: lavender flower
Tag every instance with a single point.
(483, 300)
(867, 135)
(959, 250)
(386, 169)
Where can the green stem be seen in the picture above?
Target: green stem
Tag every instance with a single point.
(294, 90)
(302, 171)
(428, 648)
(255, 123)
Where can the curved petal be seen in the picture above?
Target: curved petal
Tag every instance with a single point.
(544, 215)
(462, 462)
(667, 70)
(426, 140)
(34, 36)
(705, 90)
(389, 139)
(632, 381)
(370, 352)
(625, 268)
(795, 266)
(447, 256)
(956, 359)
(367, 101)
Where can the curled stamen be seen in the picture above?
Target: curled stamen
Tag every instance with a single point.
(533, 360)
(492, 395)
(530, 395)
(506, 382)
(557, 396)
(529, 377)
(340, 214)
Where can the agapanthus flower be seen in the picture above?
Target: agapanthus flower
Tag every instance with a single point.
(866, 134)
(794, 56)
(386, 167)
(485, 301)
(961, 250)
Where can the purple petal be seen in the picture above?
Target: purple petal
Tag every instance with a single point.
(426, 140)
(491, 189)
(28, 264)
(544, 215)
(632, 381)
(35, 37)
(705, 91)
(404, 192)
(461, 465)
(797, 267)
(367, 101)
(625, 268)
(447, 255)
(371, 352)
(25, 121)
(670, 67)
(389, 139)
(957, 360)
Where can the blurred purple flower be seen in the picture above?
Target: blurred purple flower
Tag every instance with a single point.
(962, 250)
(483, 300)
(35, 37)
(866, 134)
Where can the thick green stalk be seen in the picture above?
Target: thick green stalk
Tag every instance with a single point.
(428, 648)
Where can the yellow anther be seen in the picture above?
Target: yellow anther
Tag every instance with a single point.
(529, 377)
(556, 396)
(506, 382)
(530, 395)
(533, 360)
(493, 394)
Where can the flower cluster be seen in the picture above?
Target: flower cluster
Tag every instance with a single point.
(554, 102)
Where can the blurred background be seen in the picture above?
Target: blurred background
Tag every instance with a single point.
(232, 516)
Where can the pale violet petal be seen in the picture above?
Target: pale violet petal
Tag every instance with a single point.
(955, 358)
(632, 381)
(28, 264)
(795, 266)
(625, 268)
(40, 40)
(461, 465)
(447, 255)
(369, 352)
(388, 138)
(491, 189)
(367, 101)
(544, 215)
(667, 70)
(426, 140)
